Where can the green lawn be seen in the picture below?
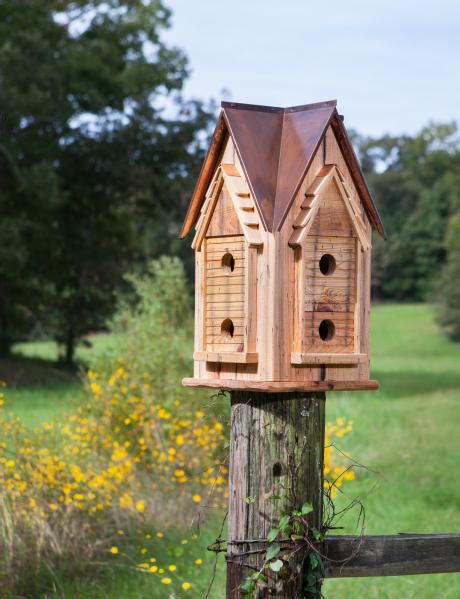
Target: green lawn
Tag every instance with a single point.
(406, 434)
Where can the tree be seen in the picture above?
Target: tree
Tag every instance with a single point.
(416, 184)
(94, 173)
(449, 287)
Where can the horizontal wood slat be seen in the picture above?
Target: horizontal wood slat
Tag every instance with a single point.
(215, 255)
(226, 298)
(229, 281)
(213, 289)
(227, 357)
(217, 242)
(281, 386)
(299, 358)
(394, 555)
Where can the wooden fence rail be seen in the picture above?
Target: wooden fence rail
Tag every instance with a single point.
(394, 555)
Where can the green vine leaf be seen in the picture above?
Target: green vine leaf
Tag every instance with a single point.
(273, 551)
(249, 500)
(248, 587)
(306, 508)
(313, 560)
(274, 532)
(276, 565)
(284, 523)
(317, 535)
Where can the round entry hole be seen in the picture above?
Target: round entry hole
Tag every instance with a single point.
(327, 264)
(227, 328)
(228, 263)
(326, 330)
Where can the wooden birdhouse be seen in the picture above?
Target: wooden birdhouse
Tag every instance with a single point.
(283, 221)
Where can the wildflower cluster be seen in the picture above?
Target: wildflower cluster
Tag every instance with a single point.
(335, 472)
(158, 557)
(120, 460)
(117, 452)
(68, 484)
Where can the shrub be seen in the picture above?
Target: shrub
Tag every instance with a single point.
(139, 454)
(449, 287)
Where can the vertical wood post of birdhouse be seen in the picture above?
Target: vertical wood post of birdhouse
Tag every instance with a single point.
(276, 466)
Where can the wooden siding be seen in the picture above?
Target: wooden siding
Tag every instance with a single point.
(331, 296)
(224, 293)
(335, 292)
(343, 338)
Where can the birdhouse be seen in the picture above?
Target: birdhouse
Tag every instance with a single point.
(283, 221)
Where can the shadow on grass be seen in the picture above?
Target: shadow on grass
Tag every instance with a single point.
(395, 385)
(18, 371)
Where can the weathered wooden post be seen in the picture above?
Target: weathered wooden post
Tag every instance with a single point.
(283, 221)
(276, 451)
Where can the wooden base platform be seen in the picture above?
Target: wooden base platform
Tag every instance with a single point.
(280, 386)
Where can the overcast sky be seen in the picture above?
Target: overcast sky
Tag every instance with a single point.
(393, 66)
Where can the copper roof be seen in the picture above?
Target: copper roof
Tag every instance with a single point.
(275, 147)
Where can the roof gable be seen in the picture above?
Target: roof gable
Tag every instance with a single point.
(238, 194)
(276, 147)
(329, 174)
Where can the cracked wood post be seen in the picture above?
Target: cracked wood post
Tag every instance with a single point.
(276, 448)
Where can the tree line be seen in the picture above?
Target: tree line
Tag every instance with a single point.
(415, 181)
(99, 151)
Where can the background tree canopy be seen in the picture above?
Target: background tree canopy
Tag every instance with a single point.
(99, 153)
(416, 184)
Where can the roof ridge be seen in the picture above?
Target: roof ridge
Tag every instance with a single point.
(281, 211)
(279, 109)
(255, 107)
(312, 106)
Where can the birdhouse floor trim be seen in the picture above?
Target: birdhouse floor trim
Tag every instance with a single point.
(281, 386)
(227, 357)
(303, 358)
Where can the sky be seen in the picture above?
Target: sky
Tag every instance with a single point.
(393, 66)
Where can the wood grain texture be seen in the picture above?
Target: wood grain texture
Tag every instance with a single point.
(226, 289)
(332, 218)
(343, 339)
(298, 358)
(335, 292)
(286, 430)
(224, 220)
(281, 386)
(227, 357)
(394, 555)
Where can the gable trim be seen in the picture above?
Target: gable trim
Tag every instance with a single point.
(310, 205)
(228, 175)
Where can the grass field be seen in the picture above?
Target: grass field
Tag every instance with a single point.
(406, 434)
